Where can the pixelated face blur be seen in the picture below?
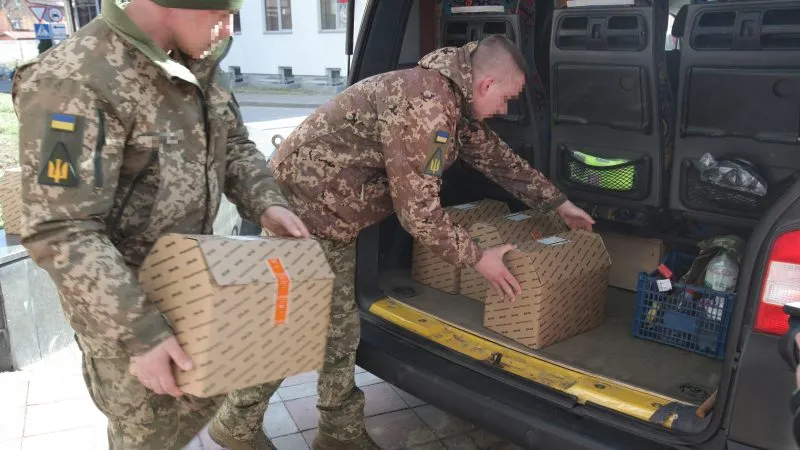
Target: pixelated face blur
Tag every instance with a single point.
(196, 32)
(491, 94)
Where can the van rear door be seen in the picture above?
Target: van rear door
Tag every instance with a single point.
(739, 98)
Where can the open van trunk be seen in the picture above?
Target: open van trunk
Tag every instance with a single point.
(615, 375)
(609, 351)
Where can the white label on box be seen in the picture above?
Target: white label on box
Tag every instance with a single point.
(465, 206)
(664, 285)
(552, 240)
(517, 217)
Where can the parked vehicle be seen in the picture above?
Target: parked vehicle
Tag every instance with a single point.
(608, 88)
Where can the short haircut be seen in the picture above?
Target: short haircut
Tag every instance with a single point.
(494, 51)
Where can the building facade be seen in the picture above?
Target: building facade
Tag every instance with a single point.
(300, 42)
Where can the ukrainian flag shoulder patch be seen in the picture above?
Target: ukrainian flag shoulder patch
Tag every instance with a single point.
(63, 122)
(441, 137)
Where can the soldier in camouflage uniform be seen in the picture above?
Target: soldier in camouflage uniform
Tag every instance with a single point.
(127, 131)
(379, 148)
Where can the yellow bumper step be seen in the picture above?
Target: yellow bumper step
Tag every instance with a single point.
(586, 388)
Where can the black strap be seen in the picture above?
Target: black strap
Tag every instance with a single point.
(788, 347)
(795, 405)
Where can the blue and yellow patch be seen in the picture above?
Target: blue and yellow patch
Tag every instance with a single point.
(441, 137)
(63, 122)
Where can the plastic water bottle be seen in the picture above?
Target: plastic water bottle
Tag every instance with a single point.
(721, 275)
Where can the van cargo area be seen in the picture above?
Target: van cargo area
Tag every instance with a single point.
(671, 365)
(609, 350)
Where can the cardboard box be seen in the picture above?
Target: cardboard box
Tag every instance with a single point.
(564, 279)
(631, 255)
(247, 310)
(514, 228)
(11, 200)
(428, 268)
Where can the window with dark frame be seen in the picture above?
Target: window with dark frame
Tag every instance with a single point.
(278, 15)
(333, 15)
(237, 23)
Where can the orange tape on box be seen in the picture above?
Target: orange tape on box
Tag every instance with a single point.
(282, 299)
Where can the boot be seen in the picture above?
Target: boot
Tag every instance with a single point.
(221, 437)
(328, 442)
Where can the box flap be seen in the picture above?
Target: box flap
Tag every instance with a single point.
(518, 227)
(566, 255)
(236, 260)
(485, 235)
(468, 213)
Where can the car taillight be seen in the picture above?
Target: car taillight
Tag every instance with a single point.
(781, 285)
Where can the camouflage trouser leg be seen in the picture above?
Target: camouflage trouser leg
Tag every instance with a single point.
(139, 419)
(341, 403)
(242, 412)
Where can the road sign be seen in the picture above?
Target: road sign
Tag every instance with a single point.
(59, 31)
(43, 31)
(55, 14)
(39, 12)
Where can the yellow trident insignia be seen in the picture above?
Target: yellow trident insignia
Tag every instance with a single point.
(57, 171)
(435, 162)
(435, 165)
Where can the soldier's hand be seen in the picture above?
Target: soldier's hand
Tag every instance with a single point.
(574, 217)
(283, 222)
(492, 268)
(154, 368)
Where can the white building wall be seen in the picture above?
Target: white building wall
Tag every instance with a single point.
(306, 49)
(15, 52)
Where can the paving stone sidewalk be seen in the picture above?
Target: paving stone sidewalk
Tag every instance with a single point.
(47, 407)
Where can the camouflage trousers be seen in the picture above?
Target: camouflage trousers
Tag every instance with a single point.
(140, 419)
(340, 402)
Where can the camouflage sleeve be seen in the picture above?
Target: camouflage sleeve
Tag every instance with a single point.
(71, 149)
(249, 184)
(487, 153)
(409, 142)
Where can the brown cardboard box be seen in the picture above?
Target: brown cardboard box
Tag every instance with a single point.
(428, 268)
(247, 310)
(629, 256)
(514, 228)
(563, 290)
(11, 200)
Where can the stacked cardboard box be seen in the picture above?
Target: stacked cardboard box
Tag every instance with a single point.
(429, 269)
(11, 200)
(564, 278)
(515, 228)
(631, 255)
(247, 310)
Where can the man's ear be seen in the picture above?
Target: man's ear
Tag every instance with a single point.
(484, 85)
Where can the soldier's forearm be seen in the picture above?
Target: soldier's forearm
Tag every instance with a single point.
(101, 293)
(249, 184)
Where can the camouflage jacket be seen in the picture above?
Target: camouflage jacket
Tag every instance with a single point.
(120, 143)
(380, 147)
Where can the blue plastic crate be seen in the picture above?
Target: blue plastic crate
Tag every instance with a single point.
(689, 317)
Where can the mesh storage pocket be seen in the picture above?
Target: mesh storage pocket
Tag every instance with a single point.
(700, 195)
(611, 176)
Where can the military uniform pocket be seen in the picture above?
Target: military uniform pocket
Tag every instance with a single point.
(116, 393)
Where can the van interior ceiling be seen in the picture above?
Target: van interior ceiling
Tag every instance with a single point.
(636, 111)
